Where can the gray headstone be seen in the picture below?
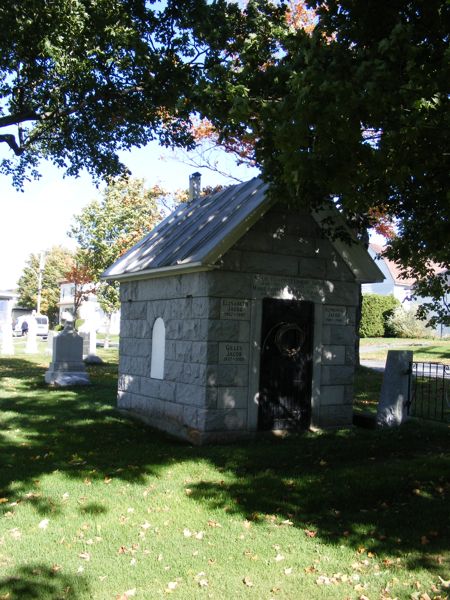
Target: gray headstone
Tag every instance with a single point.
(394, 397)
(67, 366)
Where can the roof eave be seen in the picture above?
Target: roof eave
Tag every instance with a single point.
(193, 267)
(355, 256)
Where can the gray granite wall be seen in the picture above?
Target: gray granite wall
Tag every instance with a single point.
(213, 322)
(288, 258)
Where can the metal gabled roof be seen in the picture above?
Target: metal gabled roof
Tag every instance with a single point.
(195, 235)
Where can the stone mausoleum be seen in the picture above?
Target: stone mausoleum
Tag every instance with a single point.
(238, 316)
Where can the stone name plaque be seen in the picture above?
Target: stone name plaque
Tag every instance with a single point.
(234, 308)
(335, 315)
(233, 353)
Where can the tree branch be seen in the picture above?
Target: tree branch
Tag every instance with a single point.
(21, 117)
(9, 139)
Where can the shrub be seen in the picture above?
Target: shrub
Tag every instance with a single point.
(405, 324)
(374, 315)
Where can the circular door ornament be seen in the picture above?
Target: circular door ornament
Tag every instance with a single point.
(289, 340)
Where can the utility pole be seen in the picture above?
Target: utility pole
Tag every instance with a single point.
(41, 271)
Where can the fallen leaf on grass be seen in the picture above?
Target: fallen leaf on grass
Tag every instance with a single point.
(3, 500)
(288, 571)
(213, 523)
(279, 557)
(43, 524)
(171, 586)
(15, 533)
(127, 594)
(248, 582)
(444, 583)
(85, 555)
(310, 533)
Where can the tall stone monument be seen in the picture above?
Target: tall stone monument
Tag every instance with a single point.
(394, 398)
(67, 366)
(7, 345)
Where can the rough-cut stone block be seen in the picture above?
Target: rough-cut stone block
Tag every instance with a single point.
(231, 261)
(190, 394)
(149, 387)
(194, 284)
(256, 262)
(136, 347)
(337, 269)
(337, 375)
(333, 355)
(190, 416)
(350, 355)
(226, 284)
(256, 239)
(222, 420)
(336, 416)
(200, 307)
(227, 330)
(129, 383)
(344, 293)
(128, 290)
(338, 335)
(312, 267)
(332, 395)
(232, 397)
(137, 310)
(227, 375)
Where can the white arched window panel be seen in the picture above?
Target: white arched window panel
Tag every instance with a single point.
(158, 349)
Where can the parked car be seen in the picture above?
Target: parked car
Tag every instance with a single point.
(22, 324)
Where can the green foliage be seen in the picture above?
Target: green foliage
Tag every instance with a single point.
(405, 324)
(356, 113)
(85, 79)
(375, 315)
(108, 227)
(57, 262)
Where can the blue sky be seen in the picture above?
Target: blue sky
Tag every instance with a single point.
(40, 216)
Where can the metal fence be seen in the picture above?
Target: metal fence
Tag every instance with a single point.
(429, 391)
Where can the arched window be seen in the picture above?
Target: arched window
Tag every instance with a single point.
(158, 349)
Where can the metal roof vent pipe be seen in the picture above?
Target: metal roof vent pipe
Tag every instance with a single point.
(195, 181)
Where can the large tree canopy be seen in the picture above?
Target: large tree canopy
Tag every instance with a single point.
(352, 109)
(356, 112)
(82, 79)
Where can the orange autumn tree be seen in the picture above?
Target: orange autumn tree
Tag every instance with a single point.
(82, 277)
(106, 228)
(209, 140)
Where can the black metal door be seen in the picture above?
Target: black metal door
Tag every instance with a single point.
(286, 364)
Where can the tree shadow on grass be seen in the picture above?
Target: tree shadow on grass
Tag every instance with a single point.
(388, 491)
(41, 582)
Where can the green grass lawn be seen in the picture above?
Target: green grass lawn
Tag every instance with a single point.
(433, 350)
(93, 505)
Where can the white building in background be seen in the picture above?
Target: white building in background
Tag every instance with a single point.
(395, 285)
(90, 309)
